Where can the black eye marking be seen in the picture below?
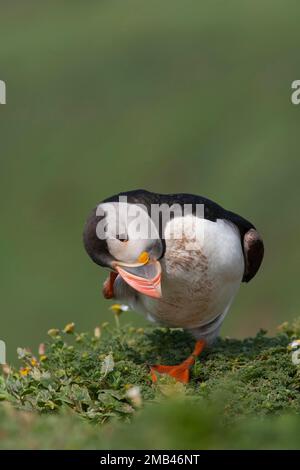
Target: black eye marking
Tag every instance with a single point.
(122, 237)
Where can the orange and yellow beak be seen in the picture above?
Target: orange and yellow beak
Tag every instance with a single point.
(144, 276)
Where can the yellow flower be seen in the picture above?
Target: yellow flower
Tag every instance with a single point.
(69, 328)
(118, 308)
(43, 357)
(34, 362)
(53, 332)
(24, 371)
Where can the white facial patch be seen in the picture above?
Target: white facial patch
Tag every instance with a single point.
(127, 229)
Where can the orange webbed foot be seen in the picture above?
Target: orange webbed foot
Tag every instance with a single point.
(180, 372)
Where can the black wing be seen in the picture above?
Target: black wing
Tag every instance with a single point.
(253, 253)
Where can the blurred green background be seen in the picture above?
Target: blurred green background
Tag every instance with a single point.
(171, 96)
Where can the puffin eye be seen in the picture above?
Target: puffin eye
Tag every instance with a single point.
(122, 237)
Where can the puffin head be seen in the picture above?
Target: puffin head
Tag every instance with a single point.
(122, 237)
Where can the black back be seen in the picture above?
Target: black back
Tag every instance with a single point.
(212, 210)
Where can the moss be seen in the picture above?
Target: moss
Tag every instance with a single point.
(104, 379)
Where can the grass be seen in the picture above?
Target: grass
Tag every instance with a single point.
(87, 390)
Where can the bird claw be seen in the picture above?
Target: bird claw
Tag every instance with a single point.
(181, 372)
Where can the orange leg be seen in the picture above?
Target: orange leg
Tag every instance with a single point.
(108, 286)
(182, 371)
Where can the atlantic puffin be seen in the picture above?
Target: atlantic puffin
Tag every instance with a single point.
(182, 273)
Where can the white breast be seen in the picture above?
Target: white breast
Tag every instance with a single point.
(200, 274)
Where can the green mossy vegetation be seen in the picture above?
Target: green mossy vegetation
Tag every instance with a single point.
(86, 391)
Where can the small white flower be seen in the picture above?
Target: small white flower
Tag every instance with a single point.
(107, 365)
(296, 358)
(42, 349)
(134, 394)
(295, 344)
(97, 332)
(6, 369)
(119, 308)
